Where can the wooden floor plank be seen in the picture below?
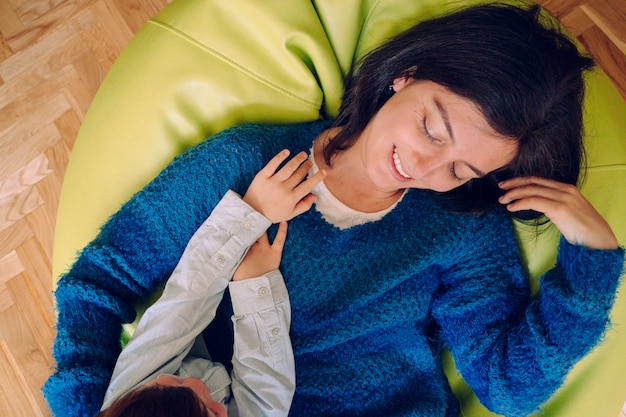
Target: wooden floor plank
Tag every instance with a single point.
(37, 320)
(14, 236)
(608, 20)
(25, 360)
(46, 23)
(10, 266)
(16, 399)
(38, 52)
(37, 269)
(68, 126)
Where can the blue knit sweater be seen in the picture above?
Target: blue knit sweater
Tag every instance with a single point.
(373, 305)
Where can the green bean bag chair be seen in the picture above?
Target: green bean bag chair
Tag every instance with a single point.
(203, 65)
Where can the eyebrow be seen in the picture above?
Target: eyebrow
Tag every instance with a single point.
(446, 121)
(445, 117)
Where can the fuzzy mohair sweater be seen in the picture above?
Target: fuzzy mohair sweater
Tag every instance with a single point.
(373, 306)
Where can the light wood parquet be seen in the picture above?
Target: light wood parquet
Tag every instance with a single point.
(53, 56)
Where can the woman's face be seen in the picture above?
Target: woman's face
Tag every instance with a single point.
(427, 137)
(215, 408)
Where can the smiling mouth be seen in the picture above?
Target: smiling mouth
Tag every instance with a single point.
(398, 164)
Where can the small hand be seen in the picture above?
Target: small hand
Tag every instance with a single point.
(282, 195)
(577, 220)
(262, 257)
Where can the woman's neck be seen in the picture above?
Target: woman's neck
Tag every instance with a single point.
(347, 179)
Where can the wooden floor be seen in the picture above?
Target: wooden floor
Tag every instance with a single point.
(53, 56)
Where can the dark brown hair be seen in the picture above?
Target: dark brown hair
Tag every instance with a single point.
(157, 401)
(513, 62)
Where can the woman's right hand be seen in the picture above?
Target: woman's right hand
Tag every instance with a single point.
(281, 194)
(577, 220)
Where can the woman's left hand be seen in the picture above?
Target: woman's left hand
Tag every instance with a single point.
(578, 221)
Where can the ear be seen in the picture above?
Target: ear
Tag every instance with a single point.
(218, 409)
(401, 82)
(405, 78)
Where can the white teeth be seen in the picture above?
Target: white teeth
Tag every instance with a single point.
(396, 161)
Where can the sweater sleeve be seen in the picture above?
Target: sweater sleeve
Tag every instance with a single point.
(136, 249)
(515, 349)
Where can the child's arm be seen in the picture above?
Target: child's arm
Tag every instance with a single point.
(169, 327)
(263, 376)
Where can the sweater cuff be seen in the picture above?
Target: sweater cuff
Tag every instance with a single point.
(591, 270)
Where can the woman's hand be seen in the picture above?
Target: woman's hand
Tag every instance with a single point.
(282, 195)
(564, 205)
(262, 257)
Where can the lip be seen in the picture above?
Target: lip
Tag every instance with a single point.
(394, 170)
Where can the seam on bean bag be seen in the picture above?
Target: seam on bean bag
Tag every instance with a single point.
(232, 63)
(607, 168)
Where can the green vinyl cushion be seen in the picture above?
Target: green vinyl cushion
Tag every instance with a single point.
(203, 65)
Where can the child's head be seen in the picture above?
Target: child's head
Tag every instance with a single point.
(167, 396)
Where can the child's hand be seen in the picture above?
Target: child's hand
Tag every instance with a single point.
(282, 195)
(262, 257)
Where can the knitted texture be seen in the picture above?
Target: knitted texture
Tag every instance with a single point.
(372, 306)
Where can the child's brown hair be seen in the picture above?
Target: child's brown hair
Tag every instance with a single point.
(157, 401)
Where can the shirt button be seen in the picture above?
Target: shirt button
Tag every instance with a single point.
(275, 331)
(262, 291)
(248, 225)
(220, 259)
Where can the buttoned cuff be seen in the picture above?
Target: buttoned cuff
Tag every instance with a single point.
(239, 218)
(253, 295)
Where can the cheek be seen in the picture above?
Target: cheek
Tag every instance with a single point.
(443, 188)
(199, 388)
(442, 184)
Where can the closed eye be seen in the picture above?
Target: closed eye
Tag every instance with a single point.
(426, 133)
(453, 173)
(432, 139)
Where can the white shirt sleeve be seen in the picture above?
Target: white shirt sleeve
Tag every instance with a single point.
(263, 376)
(168, 329)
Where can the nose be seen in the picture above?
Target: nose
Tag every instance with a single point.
(426, 164)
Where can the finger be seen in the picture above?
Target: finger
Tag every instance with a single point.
(281, 236)
(305, 187)
(527, 191)
(540, 204)
(299, 175)
(291, 166)
(524, 181)
(263, 240)
(303, 205)
(270, 168)
(560, 192)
